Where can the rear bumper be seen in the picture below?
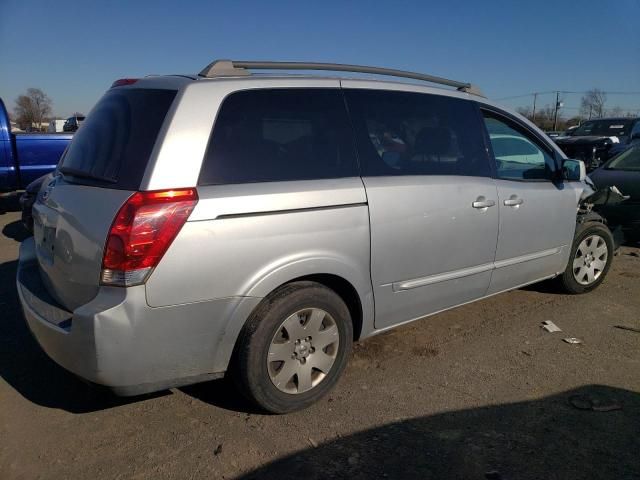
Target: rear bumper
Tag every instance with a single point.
(118, 341)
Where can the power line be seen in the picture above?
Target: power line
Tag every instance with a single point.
(564, 92)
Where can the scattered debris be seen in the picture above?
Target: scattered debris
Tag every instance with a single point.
(527, 353)
(633, 254)
(585, 402)
(218, 450)
(551, 327)
(626, 327)
(312, 442)
(572, 340)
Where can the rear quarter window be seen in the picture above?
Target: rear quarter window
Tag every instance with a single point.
(278, 135)
(115, 142)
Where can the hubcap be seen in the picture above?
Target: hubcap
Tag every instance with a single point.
(303, 350)
(590, 259)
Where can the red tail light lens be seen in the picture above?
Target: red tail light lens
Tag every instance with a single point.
(124, 81)
(141, 233)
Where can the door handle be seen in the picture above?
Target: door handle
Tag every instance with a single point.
(482, 202)
(513, 201)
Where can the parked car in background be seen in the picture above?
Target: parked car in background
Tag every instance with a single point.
(622, 171)
(28, 198)
(258, 225)
(595, 141)
(55, 126)
(26, 156)
(569, 131)
(72, 124)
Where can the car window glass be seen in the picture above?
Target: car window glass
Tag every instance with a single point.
(627, 160)
(517, 155)
(277, 135)
(115, 142)
(404, 133)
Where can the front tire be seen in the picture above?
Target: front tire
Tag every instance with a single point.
(590, 259)
(294, 347)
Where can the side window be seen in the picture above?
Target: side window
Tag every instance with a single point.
(404, 133)
(280, 134)
(518, 156)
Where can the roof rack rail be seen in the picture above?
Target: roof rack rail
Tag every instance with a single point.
(226, 68)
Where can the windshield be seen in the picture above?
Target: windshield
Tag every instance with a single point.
(627, 160)
(605, 128)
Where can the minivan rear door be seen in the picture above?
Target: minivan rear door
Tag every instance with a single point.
(432, 201)
(102, 167)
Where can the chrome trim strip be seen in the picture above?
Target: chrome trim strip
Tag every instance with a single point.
(288, 210)
(465, 272)
(530, 256)
(441, 277)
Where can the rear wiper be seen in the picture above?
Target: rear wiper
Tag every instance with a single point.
(82, 174)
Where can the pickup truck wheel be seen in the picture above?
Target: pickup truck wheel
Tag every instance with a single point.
(293, 348)
(590, 260)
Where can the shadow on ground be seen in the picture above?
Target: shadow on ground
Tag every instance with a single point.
(16, 231)
(10, 202)
(544, 439)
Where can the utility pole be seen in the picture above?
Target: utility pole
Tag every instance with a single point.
(590, 110)
(533, 115)
(555, 114)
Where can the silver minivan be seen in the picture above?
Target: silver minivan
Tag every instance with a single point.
(260, 224)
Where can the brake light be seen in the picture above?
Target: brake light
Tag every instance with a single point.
(144, 228)
(124, 81)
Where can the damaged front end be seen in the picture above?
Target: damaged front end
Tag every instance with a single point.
(592, 206)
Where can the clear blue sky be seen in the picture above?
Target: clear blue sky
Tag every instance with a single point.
(73, 50)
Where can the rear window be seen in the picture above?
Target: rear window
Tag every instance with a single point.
(278, 135)
(114, 144)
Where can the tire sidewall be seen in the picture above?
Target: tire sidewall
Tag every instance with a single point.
(583, 231)
(263, 326)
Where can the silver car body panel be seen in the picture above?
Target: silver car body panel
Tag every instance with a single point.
(70, 227)
(413, 218)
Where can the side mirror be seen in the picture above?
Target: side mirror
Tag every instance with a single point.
(635, 136)
(574, 170)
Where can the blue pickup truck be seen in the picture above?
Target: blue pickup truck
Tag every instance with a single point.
(26, 156)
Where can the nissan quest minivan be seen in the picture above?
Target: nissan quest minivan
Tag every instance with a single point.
(259, 224)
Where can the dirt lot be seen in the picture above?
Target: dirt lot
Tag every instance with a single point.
(478, 392)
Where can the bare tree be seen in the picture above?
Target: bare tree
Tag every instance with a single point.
(525, 112)
(592, 103)
(32, 108)
(616, 112)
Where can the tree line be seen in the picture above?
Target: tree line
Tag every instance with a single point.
(593, 104)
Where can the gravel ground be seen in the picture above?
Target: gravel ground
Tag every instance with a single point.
(479, 392)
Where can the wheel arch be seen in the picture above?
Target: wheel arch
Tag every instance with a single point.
(353, 285)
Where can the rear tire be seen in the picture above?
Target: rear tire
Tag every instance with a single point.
(590, 259)
(293, 348)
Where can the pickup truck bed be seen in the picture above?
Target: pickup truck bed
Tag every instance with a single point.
(27, 156)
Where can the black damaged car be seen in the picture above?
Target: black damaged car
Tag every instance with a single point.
(596, 141)
(623, 172)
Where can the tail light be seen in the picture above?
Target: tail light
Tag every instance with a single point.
(123, 81)
(141, 233)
